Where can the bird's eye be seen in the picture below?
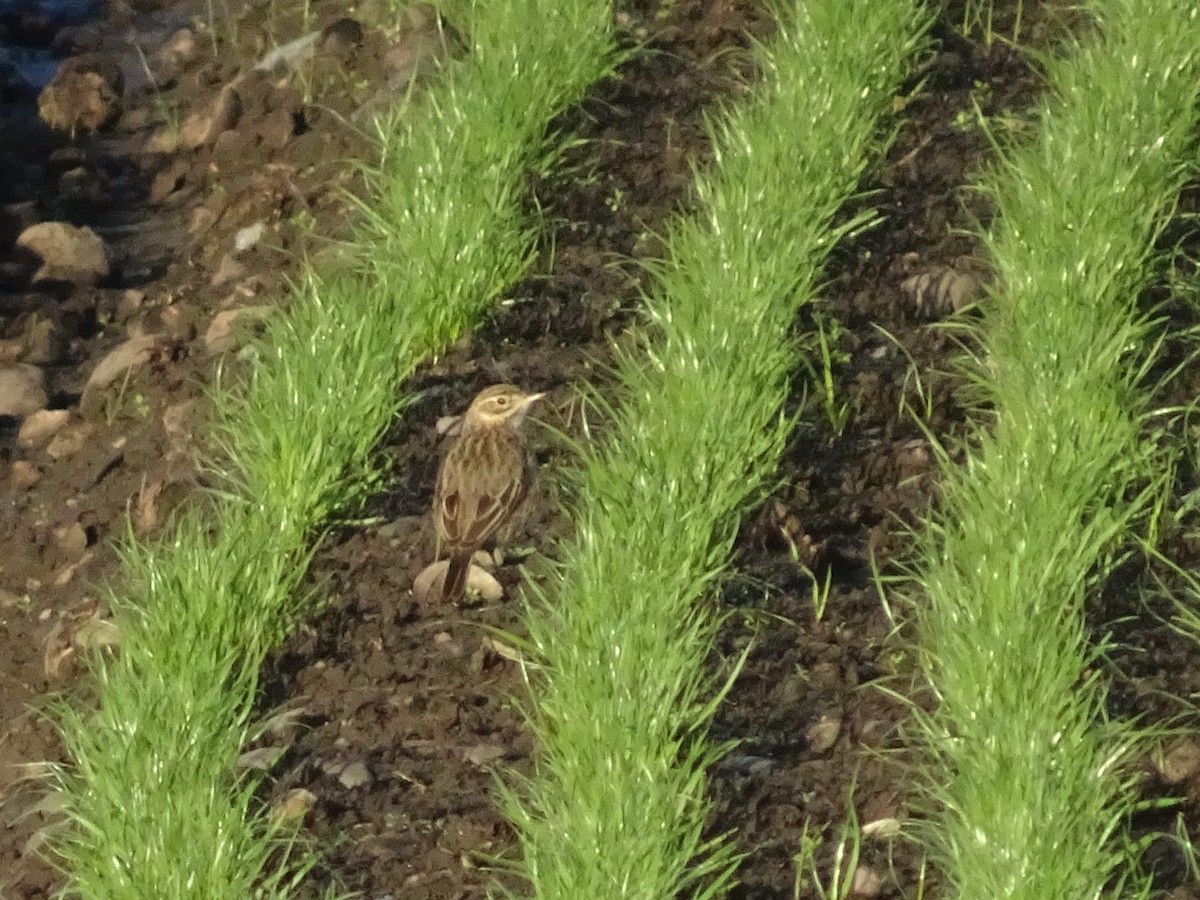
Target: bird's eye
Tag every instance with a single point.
(502, 401)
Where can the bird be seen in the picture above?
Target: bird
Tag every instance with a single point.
(483, 480)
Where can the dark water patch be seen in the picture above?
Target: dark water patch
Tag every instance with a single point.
(28, 35)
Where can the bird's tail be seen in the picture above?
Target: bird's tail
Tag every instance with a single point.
(455, 584)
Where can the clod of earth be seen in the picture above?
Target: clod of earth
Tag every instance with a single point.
(85, 93)
(129, 355)
(231, 326)
(204, 127)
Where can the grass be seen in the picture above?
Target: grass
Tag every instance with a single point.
(155, 809)
(1028, 790)
(622, 693)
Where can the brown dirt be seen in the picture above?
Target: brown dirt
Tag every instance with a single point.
(404, 709)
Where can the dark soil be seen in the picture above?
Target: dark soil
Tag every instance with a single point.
(403, 711)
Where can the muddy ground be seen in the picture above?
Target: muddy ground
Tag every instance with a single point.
(402, 710)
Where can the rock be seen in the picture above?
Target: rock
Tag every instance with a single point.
(1181, 762)
(294, 805)
(823, 734)
(129, 355)
(355, 775)
(484, 754)
(24, 474)
(84, 93)
(41, 426)
(71, 540)
(247, 237)
(75, 255)
(202, 128)
(866, 883)
(22, 390)
(482, 586)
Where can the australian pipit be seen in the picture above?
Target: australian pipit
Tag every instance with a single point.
(483, 480)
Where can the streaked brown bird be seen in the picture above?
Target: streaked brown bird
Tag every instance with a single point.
(483, 480)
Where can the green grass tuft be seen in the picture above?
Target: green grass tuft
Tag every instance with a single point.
(1029, 792)
(623, 697)
(155, 808)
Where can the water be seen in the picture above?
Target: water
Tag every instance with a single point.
(27, 28)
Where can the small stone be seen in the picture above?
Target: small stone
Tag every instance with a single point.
(22, 390)
(260, 758)
(75, 255)
(295, 804)
(1181, 762)
(823, 734)
(882, 828)
(71, 540)
(24, 474)
(354, 775)
(247, 237)
(41, 426)
(867, 883)
(483, 754)
(482, 586)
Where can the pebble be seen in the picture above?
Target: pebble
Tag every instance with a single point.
(22, 390)
(41, 426)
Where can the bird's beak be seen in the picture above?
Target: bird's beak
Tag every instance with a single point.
(522, 411)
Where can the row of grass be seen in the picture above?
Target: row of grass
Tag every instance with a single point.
(155, 809)
(623, 693)
(1025, 777)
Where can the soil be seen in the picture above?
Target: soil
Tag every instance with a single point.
(401, 712)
